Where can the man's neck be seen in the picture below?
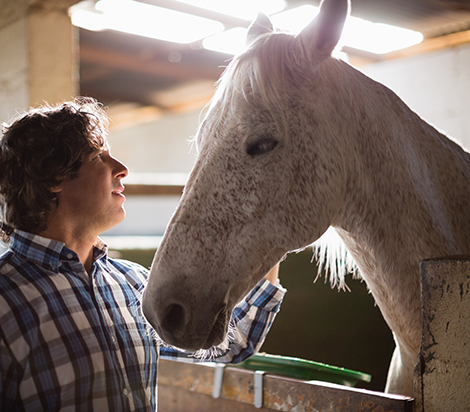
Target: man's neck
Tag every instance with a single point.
(81, 243)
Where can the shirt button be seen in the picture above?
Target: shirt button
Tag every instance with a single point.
(69, 256)
(125, 392)
(59, 264)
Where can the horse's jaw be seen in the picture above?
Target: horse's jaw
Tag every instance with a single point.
(189, 313)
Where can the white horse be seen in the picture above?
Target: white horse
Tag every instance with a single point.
(296, 141)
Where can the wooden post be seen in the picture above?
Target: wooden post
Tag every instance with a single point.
(442, 376)
(39, 48)
(53, 52)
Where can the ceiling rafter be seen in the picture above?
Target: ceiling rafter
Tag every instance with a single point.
(124, 68)
(136, 64)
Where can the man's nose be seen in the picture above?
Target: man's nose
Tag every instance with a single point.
(120, 169)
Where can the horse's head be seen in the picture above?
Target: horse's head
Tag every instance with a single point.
(262, 182)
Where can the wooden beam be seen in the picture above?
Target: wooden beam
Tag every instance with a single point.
(134, 63)
(153, 190)
(184, 387)
(360, 58)
(155, 184)
(434, 44)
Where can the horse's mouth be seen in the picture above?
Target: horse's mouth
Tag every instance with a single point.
(218, 331)
(177, 329)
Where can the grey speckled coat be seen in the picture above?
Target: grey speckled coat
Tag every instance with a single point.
(296, 141)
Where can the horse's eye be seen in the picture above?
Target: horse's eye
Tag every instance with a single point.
(263, 145)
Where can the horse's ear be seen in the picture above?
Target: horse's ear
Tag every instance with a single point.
(262, 25)
(321, 35)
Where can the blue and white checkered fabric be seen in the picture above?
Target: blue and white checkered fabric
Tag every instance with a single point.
(71, 341)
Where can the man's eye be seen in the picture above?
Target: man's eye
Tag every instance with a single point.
(97, 156)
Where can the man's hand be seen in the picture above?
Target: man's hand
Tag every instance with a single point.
(273, 274)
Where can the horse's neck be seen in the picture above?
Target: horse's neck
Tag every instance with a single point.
(406, 192)
(409, 187)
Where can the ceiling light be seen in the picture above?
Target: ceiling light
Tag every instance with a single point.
(243, 9)
(85, 15)
(232, 41)
(144, 20)
(294, 20)
(360, 34)
(378, 38)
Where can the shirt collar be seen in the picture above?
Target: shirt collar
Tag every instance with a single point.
(47, 252)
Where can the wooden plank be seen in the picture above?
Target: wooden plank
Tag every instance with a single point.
(138, 64)
(182, 386)
(442, 377)
(433, 44)
(153, 189)
(360, 58)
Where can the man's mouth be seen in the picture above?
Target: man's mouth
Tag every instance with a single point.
(118, 191)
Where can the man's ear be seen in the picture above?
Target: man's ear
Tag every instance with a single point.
(59, 186)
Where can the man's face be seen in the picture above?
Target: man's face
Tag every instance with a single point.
(95, 198)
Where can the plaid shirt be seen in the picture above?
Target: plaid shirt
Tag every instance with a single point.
(71, 341)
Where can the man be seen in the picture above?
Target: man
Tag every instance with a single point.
(72, 336)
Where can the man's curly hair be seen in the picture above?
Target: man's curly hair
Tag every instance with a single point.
(38, 151)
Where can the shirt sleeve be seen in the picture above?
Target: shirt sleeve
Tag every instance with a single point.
(250, 323)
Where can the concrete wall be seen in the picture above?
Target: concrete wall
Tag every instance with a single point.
(159, 146)
(13, 63)
(436, 85)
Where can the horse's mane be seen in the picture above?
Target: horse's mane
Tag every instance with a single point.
(334, 261)
(260, 74)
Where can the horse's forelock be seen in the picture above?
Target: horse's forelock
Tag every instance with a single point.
(261, 74)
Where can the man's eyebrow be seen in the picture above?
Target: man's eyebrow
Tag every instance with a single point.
(103, 148)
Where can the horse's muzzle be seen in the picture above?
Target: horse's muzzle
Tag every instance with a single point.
(175, 327)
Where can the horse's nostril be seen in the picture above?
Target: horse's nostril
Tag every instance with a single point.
(174, 319)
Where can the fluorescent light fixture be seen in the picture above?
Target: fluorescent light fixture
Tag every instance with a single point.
(243, 9)
(144, 20)
(360, 34)
(165, 24)
(232, 41)
(85, 15)
(294, 20)
(378, 38)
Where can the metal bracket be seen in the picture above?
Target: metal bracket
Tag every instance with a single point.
(218, 377)
(258, 377)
